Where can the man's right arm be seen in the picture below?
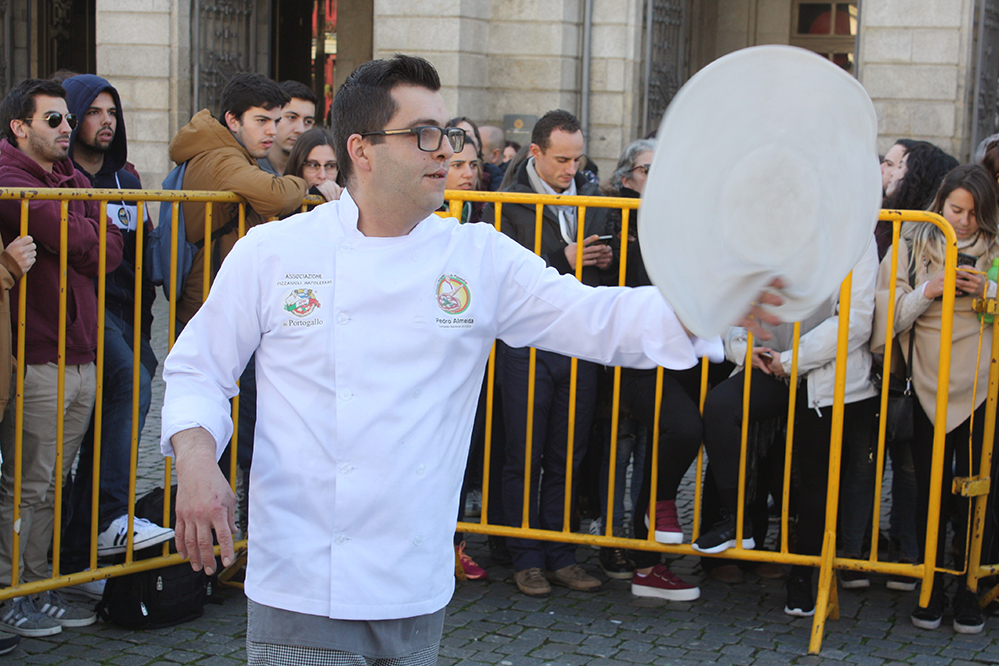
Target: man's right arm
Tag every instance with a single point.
(82, 230)
(205, 501)
(201, 374)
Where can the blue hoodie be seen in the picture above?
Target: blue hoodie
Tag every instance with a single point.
(81, 91)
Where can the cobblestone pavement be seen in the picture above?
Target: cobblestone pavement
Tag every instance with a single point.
(490, 622)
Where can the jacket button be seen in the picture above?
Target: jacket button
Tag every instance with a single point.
(418, 540)
(340, 540)
(346, 469)
(346, 395)
(343, 318)
(345, 247)
(420, 469)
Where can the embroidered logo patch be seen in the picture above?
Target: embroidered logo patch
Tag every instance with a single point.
(301, 302)
(453, 294)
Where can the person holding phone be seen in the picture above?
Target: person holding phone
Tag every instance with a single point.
(557, 147)
(966, 199)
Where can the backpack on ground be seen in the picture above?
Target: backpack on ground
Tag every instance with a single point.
(160, 241)
(159, 597)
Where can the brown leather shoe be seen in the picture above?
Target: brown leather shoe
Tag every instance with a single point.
(770, 570)
(532, 582)
(574, 578)
(730, 574)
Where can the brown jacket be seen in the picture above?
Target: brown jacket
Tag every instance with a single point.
(218, 162)
(10, 273)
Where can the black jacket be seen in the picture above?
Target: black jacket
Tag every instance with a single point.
(519, 224)
(81, 91)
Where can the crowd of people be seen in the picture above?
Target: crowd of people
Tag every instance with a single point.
(915, 175)
(264, 144)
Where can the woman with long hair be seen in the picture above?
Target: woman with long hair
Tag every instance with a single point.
(312, 158)
(911, 182)
(966, 199)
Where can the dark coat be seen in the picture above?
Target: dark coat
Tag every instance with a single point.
(518, 222)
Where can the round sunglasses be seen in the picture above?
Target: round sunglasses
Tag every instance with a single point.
(55, 119)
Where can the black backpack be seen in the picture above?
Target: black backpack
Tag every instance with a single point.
(158, 597)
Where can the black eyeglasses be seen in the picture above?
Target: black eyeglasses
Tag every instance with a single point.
(429, 137)
(55, 119)
(644, 168)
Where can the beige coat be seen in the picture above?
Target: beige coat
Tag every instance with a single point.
(216, 161)
(926, 347)
(10, 273)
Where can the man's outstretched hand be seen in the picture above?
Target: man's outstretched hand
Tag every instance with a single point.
(757, 315)
(204, 501)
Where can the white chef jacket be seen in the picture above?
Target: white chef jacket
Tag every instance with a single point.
(369, 359)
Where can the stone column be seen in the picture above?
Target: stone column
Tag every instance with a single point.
(143, 51)
(915, 62)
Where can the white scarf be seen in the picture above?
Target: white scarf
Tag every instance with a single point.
(566, 214)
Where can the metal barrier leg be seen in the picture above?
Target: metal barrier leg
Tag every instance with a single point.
(827, 601)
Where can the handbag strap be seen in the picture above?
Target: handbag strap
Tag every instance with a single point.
(912, 334)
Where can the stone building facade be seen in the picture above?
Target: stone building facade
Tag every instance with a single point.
(929, 65)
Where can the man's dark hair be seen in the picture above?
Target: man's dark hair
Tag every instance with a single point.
(298, 90)
(20, 102)
(247, 89)
(551, 121)
(62, 74)
(364, 102)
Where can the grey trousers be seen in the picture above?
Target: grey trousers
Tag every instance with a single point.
(269, 654)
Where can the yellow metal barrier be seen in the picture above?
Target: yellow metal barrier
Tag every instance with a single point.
(142, 198)
(827, 562)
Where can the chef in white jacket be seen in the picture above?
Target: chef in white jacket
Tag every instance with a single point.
(372, 320)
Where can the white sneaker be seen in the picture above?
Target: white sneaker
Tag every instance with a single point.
(473, 503)
(93, 590)
(112, 541)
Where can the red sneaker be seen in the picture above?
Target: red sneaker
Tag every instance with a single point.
(472, 570)
(663, 584)
(667, 524)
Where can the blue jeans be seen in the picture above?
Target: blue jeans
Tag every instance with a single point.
(116, 441)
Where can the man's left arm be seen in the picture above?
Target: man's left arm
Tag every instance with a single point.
(270, 196)
(613, 326)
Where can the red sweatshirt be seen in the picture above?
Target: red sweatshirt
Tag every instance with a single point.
(42, 324)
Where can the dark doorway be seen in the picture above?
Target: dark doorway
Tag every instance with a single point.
(319, 42)
(66, 36)
(304, 45)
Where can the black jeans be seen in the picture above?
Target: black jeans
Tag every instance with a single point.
(812, 428)
(548, 449)
(955, 463)
(723, 426)
(679, 437)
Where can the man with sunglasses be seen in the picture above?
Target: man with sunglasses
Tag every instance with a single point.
(372, 320)
(36, 127)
